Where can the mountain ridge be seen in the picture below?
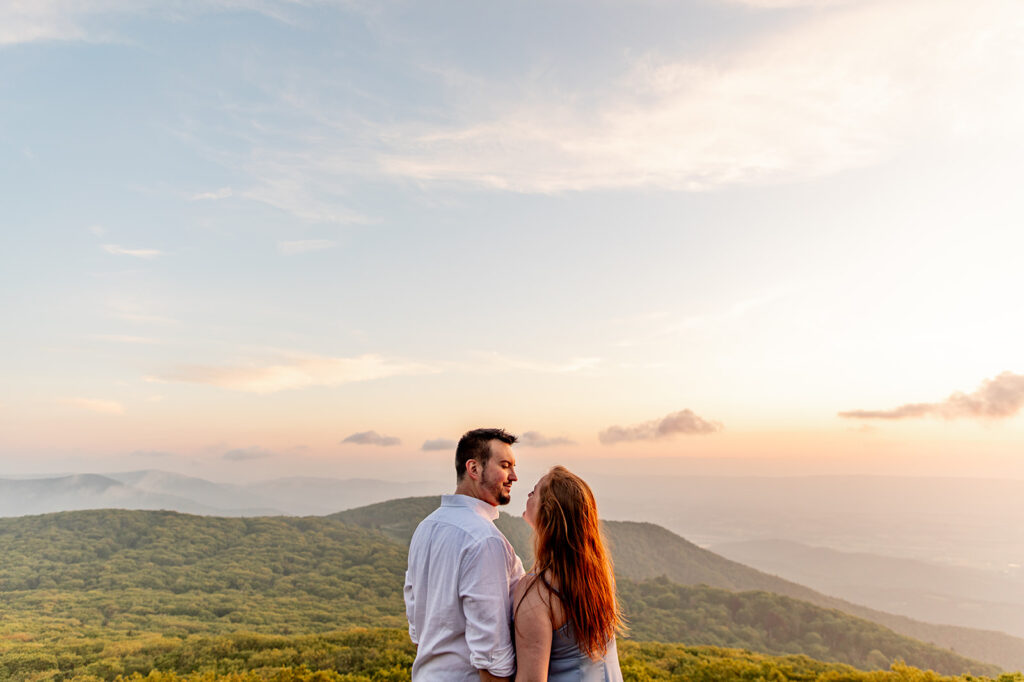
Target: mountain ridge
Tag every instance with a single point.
(118, 574)
(658, 551)
(936, 593)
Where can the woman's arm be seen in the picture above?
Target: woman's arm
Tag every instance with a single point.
(533, 630)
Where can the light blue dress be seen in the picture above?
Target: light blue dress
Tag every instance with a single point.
(569, 664)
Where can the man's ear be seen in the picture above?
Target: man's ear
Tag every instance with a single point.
(473, 469)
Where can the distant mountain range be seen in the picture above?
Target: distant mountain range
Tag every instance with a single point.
(953, 521)
(922, 590)
(151, 489)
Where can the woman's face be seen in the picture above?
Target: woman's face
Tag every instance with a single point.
(532, 502)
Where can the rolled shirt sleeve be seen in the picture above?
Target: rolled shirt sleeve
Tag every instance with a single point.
(410, 608)
(486, 603)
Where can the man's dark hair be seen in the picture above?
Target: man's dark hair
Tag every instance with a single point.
(476, 444)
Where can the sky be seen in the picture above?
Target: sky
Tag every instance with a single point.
(252, 238)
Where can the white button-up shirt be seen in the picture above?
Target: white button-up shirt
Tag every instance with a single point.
(457, 593)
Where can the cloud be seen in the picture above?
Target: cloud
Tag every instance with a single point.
(150, 454)
(302, 186)
(840, 85)
(372, 438)
(26, 22)
(94, 405)
(781, 4)
(146, 319)
(832, 90)
(122, 338)
(723, 321)
(222, 193)
(439, 444)
(682, 422)
(533, 439)
(52, 20)
(98, 230)
(137, 253)
(491, 361)
(304, 246)
(295, 371)
(996, 398)
(246, 454)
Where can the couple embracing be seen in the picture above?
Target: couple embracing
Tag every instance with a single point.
(475, 614)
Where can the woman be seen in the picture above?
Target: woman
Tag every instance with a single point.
(566, 614)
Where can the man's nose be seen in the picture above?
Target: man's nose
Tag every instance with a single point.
(512, 475)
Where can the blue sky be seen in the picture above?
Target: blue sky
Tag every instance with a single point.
(272, 225)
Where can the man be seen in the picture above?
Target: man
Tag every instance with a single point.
(462, 570)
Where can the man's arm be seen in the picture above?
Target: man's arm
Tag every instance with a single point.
(484, 593)
(410, 608)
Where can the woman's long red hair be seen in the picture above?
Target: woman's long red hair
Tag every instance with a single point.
(568, 546)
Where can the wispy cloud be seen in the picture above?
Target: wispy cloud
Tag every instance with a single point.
(123, 338)
(137, 253)
(533, 439)
(26, 22)
(996, 398)
(303, 189)
(63, 20)
(305, 245)
(246, 454)
(844, 84)
(498, 362)
(372, 438)
(95, 405)
(841, 89)
(138, 310)
(662, 325)
(438, 444)
(294, 371)
(150, 454)
(684, 422)
(222, 193)
(146, 319)
(785, 4)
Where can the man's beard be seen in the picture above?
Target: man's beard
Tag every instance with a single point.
(499, 492)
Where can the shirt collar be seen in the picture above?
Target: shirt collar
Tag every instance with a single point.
(488, 511)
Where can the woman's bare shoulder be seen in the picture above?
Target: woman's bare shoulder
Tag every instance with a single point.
(533, 594)
(528, 586)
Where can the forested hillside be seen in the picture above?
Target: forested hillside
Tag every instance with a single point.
(385, 655)
(103, 577)
(378, 654)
